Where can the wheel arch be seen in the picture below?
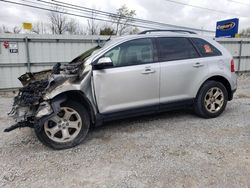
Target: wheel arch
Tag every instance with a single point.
(222, 80)
(79, 96)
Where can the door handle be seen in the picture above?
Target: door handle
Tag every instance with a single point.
(148, 70)
(197, 65)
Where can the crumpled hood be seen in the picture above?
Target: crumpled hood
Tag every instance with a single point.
(28, 77)
(37, 84)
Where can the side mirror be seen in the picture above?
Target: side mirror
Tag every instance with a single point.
(104, 62)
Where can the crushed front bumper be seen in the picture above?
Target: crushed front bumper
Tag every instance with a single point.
(20, 124)
(38, 117)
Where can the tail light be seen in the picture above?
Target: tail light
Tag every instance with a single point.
(232, 66)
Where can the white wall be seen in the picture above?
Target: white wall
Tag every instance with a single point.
(44, 51)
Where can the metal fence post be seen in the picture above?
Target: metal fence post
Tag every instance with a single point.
(27, 53)
(240, 53)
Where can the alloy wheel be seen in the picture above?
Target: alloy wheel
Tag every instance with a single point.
(63, 127)
(214, 100)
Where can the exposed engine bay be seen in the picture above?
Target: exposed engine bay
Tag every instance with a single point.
(29, 105)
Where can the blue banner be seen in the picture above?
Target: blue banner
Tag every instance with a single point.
(227, 28)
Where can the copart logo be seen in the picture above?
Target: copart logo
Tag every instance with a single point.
(226, 26)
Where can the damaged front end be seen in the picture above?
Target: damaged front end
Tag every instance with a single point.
(31, 107)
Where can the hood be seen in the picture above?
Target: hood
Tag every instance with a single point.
(37, 84)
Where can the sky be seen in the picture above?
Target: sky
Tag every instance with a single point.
(164, 11)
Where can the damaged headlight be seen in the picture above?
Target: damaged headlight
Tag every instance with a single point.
(43, 110)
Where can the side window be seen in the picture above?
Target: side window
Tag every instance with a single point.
(135, 52)
(113, 54)
(205, 48)
(175, 48)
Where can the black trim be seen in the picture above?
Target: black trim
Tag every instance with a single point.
(102, 66)
(155, 50)
(130, 113)
(231, 95)
(143, 111)
(55, 104)
(195, 47)
(177, 105)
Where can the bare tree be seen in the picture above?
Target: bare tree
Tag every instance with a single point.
(92, 28)
(58, 21)
(40, 28)
(5, 29)
(81, 30)
(75, 28)
(72, 26)
(134, 30)
(245, 33)
(16, 29)
(123, 17)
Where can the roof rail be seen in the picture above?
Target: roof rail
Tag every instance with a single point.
(169, 30)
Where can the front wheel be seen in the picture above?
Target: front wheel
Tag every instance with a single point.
(211, 99)
(66, 129)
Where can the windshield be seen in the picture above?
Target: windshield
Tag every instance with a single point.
(85, 55)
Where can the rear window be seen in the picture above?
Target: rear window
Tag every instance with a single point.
(205, 48)
(175, 48)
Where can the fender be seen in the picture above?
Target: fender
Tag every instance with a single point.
(81, 98)
(65, 87)
(197, 89)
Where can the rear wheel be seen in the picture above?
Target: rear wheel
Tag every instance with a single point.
(66, 129)
(211, 99)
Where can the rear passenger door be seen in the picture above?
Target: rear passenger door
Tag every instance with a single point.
(182, 68)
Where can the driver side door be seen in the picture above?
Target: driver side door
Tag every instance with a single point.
(132, 82)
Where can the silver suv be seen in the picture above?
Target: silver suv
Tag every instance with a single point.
(128, 76)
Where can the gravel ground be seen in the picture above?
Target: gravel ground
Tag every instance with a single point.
(174, 149)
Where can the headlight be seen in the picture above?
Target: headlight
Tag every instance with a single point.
(43, 110)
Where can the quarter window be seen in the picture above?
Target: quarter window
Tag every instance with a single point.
(175, 48)
(205, 48)
(135, 52)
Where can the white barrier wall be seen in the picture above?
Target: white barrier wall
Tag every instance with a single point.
(23, 53)
(240, 49)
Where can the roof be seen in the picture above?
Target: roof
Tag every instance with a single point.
(155, 34)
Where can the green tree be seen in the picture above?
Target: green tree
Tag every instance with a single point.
(107, 31)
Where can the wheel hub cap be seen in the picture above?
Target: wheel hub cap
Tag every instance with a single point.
(63, 127)
(214, 100)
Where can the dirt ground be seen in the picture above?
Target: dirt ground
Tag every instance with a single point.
(174, 149)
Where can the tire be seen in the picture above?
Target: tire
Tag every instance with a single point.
(207, 103)
(66, 129)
